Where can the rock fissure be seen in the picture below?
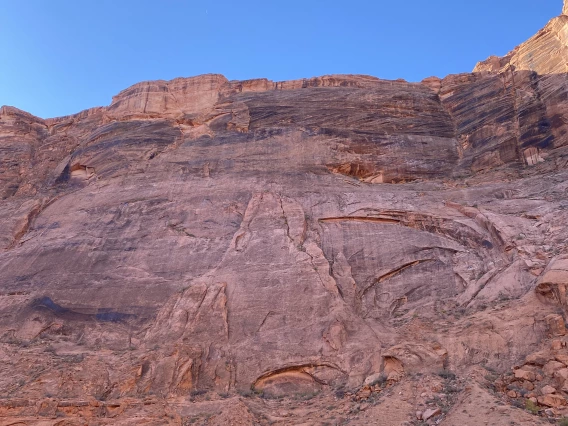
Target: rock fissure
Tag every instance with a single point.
(393, 273)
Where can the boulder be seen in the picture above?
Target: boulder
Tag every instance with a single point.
(556, 325)
(525, 375)
(431, 412)
(547, 390)
(561, 374)
(374, 378)
(562, 357)
(551, 286)
(538, 358)
(528, 385)
(552, 367)
(552, 400)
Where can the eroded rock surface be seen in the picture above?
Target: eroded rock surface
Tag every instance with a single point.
(305, 252)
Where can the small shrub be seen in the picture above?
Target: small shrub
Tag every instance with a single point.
(563, 422)
(381, 381)
(245, 393)
(308, 396)
(450, 389)
(532, 408)
(516, 403)
(448, 375)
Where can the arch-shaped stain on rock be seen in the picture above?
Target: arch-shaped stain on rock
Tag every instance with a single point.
(302, 379)
(413, 357)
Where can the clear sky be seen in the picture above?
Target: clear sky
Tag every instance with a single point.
(58, 57)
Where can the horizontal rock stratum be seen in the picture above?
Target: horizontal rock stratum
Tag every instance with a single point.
(333, 250)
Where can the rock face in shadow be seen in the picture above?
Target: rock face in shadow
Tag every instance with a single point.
(201, 239)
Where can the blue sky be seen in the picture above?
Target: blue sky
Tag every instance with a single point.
(58, 57)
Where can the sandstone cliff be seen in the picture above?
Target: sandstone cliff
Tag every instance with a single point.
(334, 250)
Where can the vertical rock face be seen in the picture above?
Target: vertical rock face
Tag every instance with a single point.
(544, 53)
(21, 136)
(521, 116)
(182, 97)
(529, 87)
(201, 239)
(565, 9)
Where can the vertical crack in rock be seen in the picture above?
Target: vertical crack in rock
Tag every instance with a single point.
(225, 309)
(297, 239)
(285, 221)
(472, 291)
(25, 224)
(264, 320)
(517, 125)
(393, 273)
